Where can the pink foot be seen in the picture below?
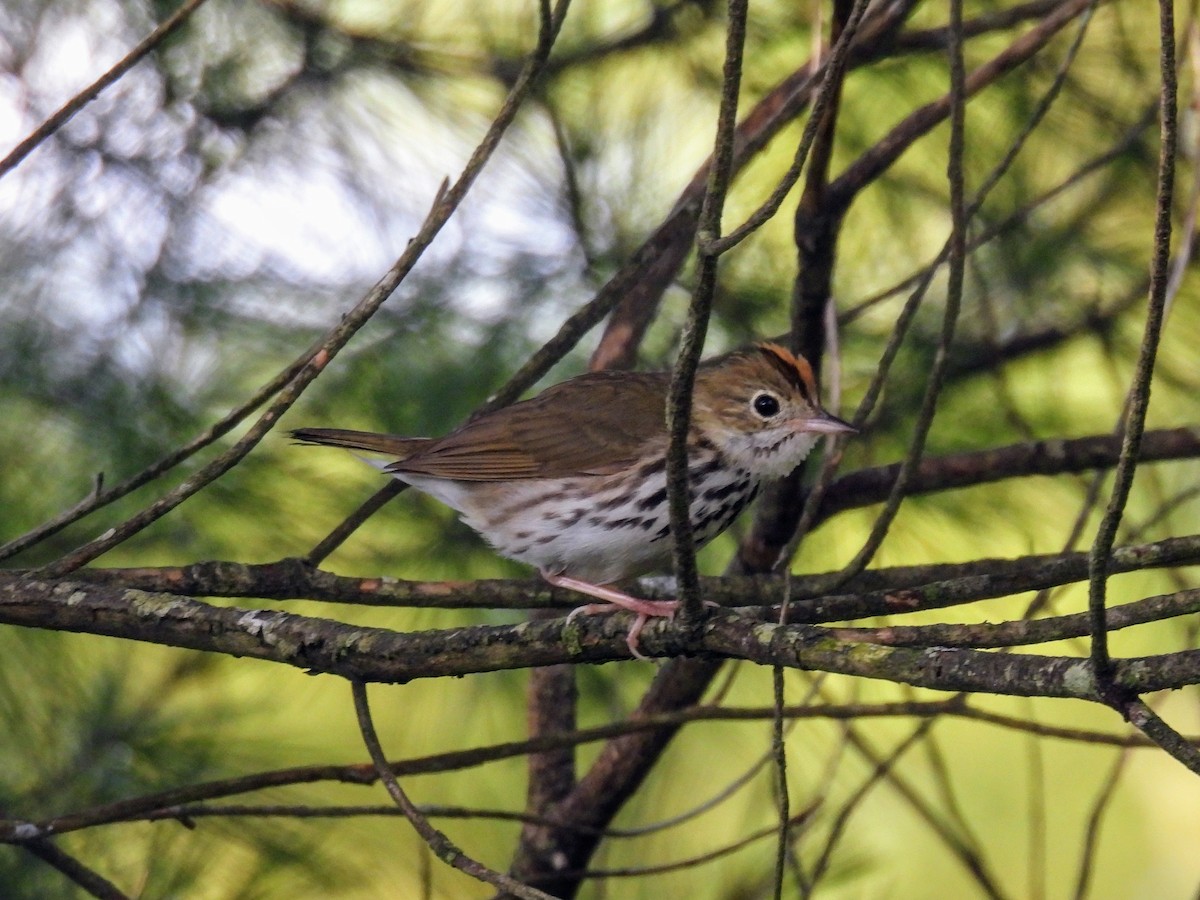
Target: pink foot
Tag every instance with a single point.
(645, 609)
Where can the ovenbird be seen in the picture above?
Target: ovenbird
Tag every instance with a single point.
(573, 481)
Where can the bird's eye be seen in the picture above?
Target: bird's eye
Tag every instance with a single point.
(766, 405)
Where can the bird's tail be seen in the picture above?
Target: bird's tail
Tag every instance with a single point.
(393, 445)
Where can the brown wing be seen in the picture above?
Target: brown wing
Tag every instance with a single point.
(593, 424)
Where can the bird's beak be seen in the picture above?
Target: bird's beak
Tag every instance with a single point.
(826, 423)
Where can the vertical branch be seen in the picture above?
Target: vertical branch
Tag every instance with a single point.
(779, 752)
(815, 233)
(641, 282)
(552, 777)
(956, 255)
(553, 698)
(1139, 391)
(954, 172)
(679, 402)
(899, 332)
(625, 762)
(816, 225)
(619, 770)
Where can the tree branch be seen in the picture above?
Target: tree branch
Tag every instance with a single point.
(1055, 456)
(444, 205)
(875, 592)
(60, 118)
(380, 655)
(880, 157)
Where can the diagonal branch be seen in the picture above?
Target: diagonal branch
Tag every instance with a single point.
(442, 846)
(60, 118)
(868, 167)
(640, 284)
(337, 338)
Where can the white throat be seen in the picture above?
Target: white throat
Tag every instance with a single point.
(767, 454)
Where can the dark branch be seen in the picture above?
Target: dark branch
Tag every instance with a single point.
(1049, 457)
(875, 592)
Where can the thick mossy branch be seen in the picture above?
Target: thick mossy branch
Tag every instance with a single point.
(380, 655)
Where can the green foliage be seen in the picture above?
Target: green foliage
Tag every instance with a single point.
(190, 232)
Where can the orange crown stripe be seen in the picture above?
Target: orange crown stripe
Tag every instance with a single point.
(798, 364)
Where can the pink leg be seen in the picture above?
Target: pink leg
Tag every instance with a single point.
(612, 597)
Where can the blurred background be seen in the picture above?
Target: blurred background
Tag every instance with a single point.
(203, 221)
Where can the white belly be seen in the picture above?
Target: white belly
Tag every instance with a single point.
(595, 528)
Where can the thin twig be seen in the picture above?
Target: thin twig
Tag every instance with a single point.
(186, 812)
(679, 400)
(352, 522)
(641, 282)
(884, 153)
(779, 754)
(954, 290)
(337, 338)
(939, 766)
(811, 511)
(89, 93)
(1091, 497)
(174, 803)
(92, 882)
(442, 846)
(880, 768)
(1108, 790)
(1139, 391)
(722, 794)
(99, 498)
(959, 846)
(699, 859)
(1121, 147)
(826, 96)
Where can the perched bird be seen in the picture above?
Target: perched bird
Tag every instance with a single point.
(573, 481)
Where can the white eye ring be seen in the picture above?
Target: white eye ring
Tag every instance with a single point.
(765, 405)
